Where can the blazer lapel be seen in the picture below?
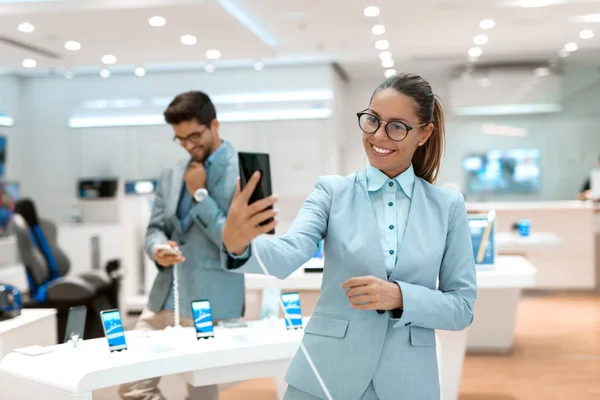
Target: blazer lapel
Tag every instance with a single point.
(176, 186)
(371, 231)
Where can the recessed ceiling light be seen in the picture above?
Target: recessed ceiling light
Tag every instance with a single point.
(213, 54)
(542, 71)
(572, 46)
(189, 40)
(390, 72)
(105, 73)
(26, 27)
(109, 59)
(387, 63)
(475, 52)
(378, 30)
(586, 34)
(382, 45)
(385, 55)
(258, 66)
(480, 40)
(487, 24)
(157, 21)
(29, 63)
(139, 71)
(371, 11)
(69, 74)
(210, 68)
(73, 45)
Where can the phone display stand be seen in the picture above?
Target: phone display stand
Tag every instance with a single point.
(75, 342)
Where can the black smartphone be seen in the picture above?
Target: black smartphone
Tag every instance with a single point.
(76, 322)
(249, 163)
(113, 330)
(203, 321)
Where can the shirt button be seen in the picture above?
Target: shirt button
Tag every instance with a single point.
(391, 183)
(392, 252)
(391, 226)
(390, 204)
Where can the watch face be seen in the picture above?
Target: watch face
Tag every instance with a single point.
(200, 194)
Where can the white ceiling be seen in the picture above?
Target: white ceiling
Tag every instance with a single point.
(426, 32)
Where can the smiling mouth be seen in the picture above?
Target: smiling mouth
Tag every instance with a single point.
(380, 151)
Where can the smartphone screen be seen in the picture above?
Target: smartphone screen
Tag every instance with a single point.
(203, 321)
(249, 163)
(113, 329)
(76, 322)
(291, 309)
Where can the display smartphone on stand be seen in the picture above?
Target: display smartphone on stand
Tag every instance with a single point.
(203, 322)
(113, 330)
(291, 309)
(250, 163)
(76, 323)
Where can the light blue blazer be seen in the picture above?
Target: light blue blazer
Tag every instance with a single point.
(352, 348)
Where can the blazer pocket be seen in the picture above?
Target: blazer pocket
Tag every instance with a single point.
(327, 325)
(422, 337)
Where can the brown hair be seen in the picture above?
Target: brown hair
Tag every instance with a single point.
(427, 158)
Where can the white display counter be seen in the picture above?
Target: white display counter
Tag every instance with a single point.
(32, 327)
(257, 351)
(562, 241)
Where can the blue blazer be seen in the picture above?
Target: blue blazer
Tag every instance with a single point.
(351, 347)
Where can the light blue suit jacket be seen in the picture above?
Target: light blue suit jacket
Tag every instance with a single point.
(351, 347)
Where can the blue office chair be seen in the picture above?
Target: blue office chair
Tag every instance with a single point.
(47, 268)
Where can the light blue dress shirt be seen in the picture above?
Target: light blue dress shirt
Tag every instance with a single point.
(186, 202)
(391, 199)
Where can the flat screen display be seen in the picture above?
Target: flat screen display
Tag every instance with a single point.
(291, 309)
(503, 172)
(9, 195)
(113, 329)
(139, 187)
(203, 321)
(2, 155)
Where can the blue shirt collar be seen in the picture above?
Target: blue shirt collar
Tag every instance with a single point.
(376, 179)
(218, 154)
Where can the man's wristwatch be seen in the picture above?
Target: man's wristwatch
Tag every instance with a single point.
(200, 195)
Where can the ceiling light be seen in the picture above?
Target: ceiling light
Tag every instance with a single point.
(189, 40)
(480, 40)
(572, 46)
(487, 24)
(73, 45)
(139, 71)
(387, 63)
(385, 55)
(475, 52)
(382, 45)
(542, 71)
(157, 21)
(210, 68)
(105, 73)
(390, 72)
(258, 66)
(26, 27)
(378, 30)
(29, 63)
(213, 54)
(586, 34)
(69, 74)
(371, 11)
(109, 59)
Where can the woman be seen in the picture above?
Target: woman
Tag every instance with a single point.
(389, 235)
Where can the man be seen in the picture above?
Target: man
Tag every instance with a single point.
(585, 193)
(188, 214)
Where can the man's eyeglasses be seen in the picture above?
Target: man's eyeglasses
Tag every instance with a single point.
(193, 138)
(395, 130)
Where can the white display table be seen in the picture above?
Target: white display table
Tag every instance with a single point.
(32, 327)
(258, 351)
(512, 243)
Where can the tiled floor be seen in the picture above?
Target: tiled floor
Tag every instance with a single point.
(556, 357)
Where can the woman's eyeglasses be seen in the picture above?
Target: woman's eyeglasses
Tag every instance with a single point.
(395, 130)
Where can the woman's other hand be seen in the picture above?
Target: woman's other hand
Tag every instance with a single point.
(372, 293)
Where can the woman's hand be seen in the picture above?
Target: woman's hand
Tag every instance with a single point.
(372, 293)
(243, 220)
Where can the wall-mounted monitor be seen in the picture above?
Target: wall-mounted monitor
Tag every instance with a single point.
(97, 188)
(141, 186)
(9, 194)
(514, 171)
(2, 155)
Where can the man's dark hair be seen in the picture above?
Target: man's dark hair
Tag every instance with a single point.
(191, 106)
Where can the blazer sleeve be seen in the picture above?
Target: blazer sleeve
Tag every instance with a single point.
(451, 306)
(156, 233)
(282, 256)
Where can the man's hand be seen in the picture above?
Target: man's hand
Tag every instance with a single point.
(195, 177)
(166, 259)
(243, 220)
(372, 293)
